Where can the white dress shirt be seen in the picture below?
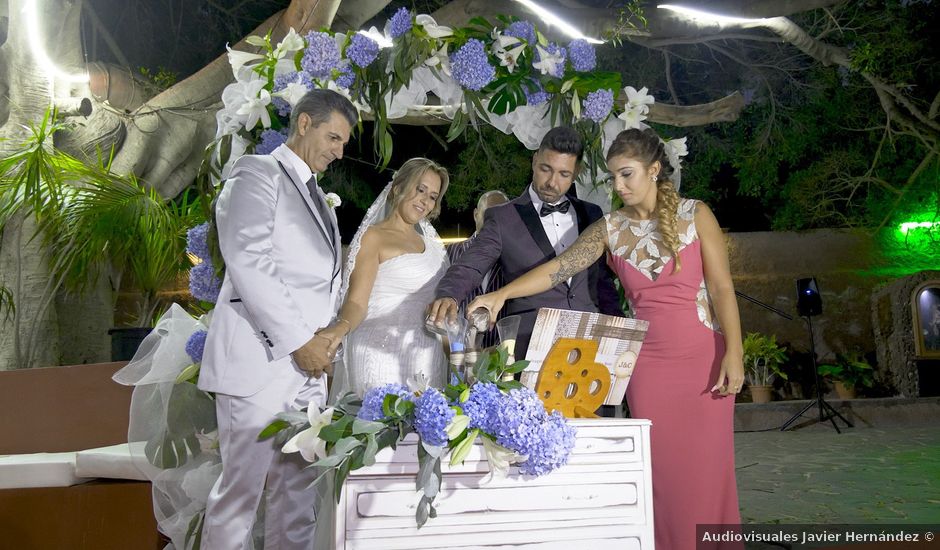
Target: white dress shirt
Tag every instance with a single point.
(287, 156)
(561, 229)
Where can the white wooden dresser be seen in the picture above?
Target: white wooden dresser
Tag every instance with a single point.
(601, 500)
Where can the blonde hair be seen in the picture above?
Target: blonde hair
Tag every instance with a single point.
(646, 147)
(407, 177)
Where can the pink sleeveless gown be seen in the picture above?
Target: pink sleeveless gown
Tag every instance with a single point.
(692, 433)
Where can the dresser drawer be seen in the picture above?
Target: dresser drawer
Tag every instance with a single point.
(464, 502)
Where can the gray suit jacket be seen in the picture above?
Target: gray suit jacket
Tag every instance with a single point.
(513, 238)
(281, 281)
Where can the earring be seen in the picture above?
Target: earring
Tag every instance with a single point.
(654, 178)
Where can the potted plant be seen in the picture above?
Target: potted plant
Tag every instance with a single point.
(763, 358)
(94, 222)
(848, 373)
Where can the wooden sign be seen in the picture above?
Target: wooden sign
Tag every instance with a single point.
(570, 381)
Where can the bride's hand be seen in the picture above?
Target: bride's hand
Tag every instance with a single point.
(334, 333)
(492, 302)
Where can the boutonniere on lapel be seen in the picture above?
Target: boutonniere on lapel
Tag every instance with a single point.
(333, 200)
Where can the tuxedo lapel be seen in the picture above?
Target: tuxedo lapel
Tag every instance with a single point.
(327, 227)
(532, 222)
(581, 211)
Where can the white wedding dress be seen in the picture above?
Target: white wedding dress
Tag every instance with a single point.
(392, 345)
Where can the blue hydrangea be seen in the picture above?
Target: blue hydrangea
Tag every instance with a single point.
(432, 415)
(553, 440)
(521, 29)
(362, 50)
(197, 241)
(196, 345)
(270, 140)
(537, 97)
(203, 283)
(281, 82)
(483, 406)
(520, 415)
(400, 22)
(554, 49)
(470, 66)
(346, 77)
(597, 105)
(582, 55)
(321, 55)
(372, 401)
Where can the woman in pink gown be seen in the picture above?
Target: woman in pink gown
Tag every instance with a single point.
(671, 257)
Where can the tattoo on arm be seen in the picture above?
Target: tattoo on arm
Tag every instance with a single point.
(584, 252)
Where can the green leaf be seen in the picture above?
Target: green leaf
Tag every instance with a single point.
(463, 449)
(366, 427)
(330, 461)
(332, 433)
(371, 449)
(518, 366)
(465, 395)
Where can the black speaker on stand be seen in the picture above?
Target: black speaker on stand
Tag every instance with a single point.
(808, 305)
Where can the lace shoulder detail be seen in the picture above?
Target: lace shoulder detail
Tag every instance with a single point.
(641, 243)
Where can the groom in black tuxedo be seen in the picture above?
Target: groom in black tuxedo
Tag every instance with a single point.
(529, 231)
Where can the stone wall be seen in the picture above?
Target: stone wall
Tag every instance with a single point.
(766, 265)
(892, 320)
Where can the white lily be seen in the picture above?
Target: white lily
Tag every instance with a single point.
(509, 58)
(457, 426)
(308, 442)
(440, 58)
(360, 107)
(292, 93)
(676, 148)
(632, 118)
(638, 99)
(291, 44)
(432, 28)
(548, 61)
(239, 59)
(499, 459)
(255, 107)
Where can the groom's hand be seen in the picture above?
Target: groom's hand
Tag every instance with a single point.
(314, 357)
(441, 309)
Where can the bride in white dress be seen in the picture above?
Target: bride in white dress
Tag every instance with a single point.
(395, 261)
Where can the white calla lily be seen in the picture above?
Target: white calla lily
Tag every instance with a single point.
(308, 442)
(432, 28)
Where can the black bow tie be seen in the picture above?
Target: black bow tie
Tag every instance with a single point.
(549, 208)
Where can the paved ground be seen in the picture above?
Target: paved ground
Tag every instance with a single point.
(863, 475)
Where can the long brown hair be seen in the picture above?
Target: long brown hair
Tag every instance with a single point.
(646, 147)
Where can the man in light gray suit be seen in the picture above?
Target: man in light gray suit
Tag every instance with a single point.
(263, 355)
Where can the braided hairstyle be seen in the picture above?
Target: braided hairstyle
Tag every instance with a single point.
(646, 147)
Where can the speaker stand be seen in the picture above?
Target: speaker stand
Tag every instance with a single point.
(826, 411)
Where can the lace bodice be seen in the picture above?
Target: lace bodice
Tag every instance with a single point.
(640, 244)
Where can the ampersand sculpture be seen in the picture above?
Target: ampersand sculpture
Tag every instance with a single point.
(570, 381)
